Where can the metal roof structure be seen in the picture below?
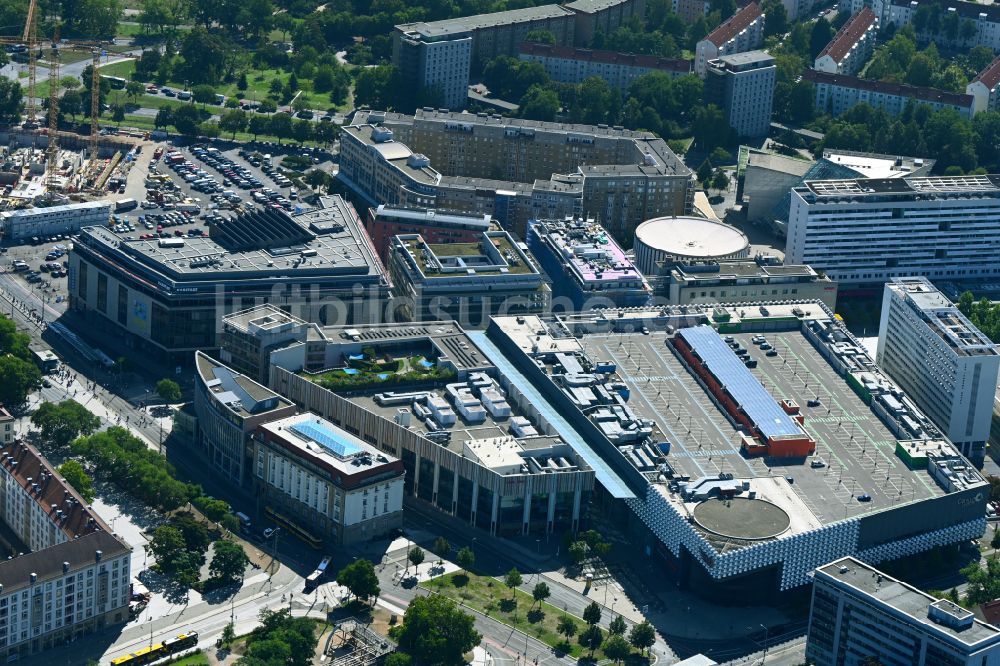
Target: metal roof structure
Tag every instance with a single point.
(336, 443)
(739, 382)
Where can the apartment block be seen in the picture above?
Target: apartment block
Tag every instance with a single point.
(985, 19)
(941, 360)
(573, 65)
(604, 16)
(836, 93)
(742, 85)
(65, 574)
(851, 47)
(513, 169)
(864, 232)
(860, 613)
(6, 427)
(985, 88)
(743, 31)
(438, 62)
(464, 282)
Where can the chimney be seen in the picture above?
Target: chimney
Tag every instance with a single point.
(34, 577)
(65, 567)
(98, 555)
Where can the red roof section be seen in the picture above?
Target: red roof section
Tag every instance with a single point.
(849, 35)
(607, 57)
(899, 89)
(991, 75)
(735, 25)
(64, 506)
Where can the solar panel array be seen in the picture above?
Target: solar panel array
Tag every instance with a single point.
(727, 368)
(338, 445)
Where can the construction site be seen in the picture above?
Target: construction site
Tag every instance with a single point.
(41, 164)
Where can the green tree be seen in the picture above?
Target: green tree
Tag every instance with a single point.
(617, 626)
(415, 556)
(591, 638)
(62, 422)
(164, 117)
(398, 659)
(117, 113)
(229, 561)
(822, 33)
(166, 544)
(280, 125)
(186, 119)
(566, 626)
(233, 121)
(203, 93)
(720, 181)
(360, 579)
(205, 55)
(194, 532)
(643, 636)
(617, 648)
(709, 127)
(257, 125)
(168, 390)
(540, 593)
(71, 103)
(435, 631)
(466, 558)
(241, 82)
(577, 551)
(512, 580)
(539, 104)
(592, 614)
(73, 472)
(133, 89)
(441, 546)
(18, 378)
(12, 341)
(776, 18)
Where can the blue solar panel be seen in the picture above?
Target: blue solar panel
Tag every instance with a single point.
(746, 390)
(338, 444)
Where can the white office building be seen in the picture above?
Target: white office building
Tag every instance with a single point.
(941, 360)
(24, 223)
(858, 612)
(868, 231)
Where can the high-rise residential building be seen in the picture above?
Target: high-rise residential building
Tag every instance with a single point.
(985, 88)
(742, 85)
(464, 282)
(743, 31)
(430, 60)
(64, 573)
(572, 65)
(436, 226)
(587, 267)
(864, 232)
(837, 93)
(858, 612)
(947, 365)
(513, 169)
(851, 47)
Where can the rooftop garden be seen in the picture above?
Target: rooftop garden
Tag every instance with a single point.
(444, 250)
(367, 369)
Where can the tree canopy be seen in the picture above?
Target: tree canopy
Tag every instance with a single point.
(435, 632)
(62, 422)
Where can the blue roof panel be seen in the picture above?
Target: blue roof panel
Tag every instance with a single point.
(338, 444)
(736, 378)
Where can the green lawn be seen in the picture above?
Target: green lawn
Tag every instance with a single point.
(196, 659)
(491, 597)
(121, 69)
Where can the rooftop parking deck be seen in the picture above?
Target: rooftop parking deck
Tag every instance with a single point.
(856, 449)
